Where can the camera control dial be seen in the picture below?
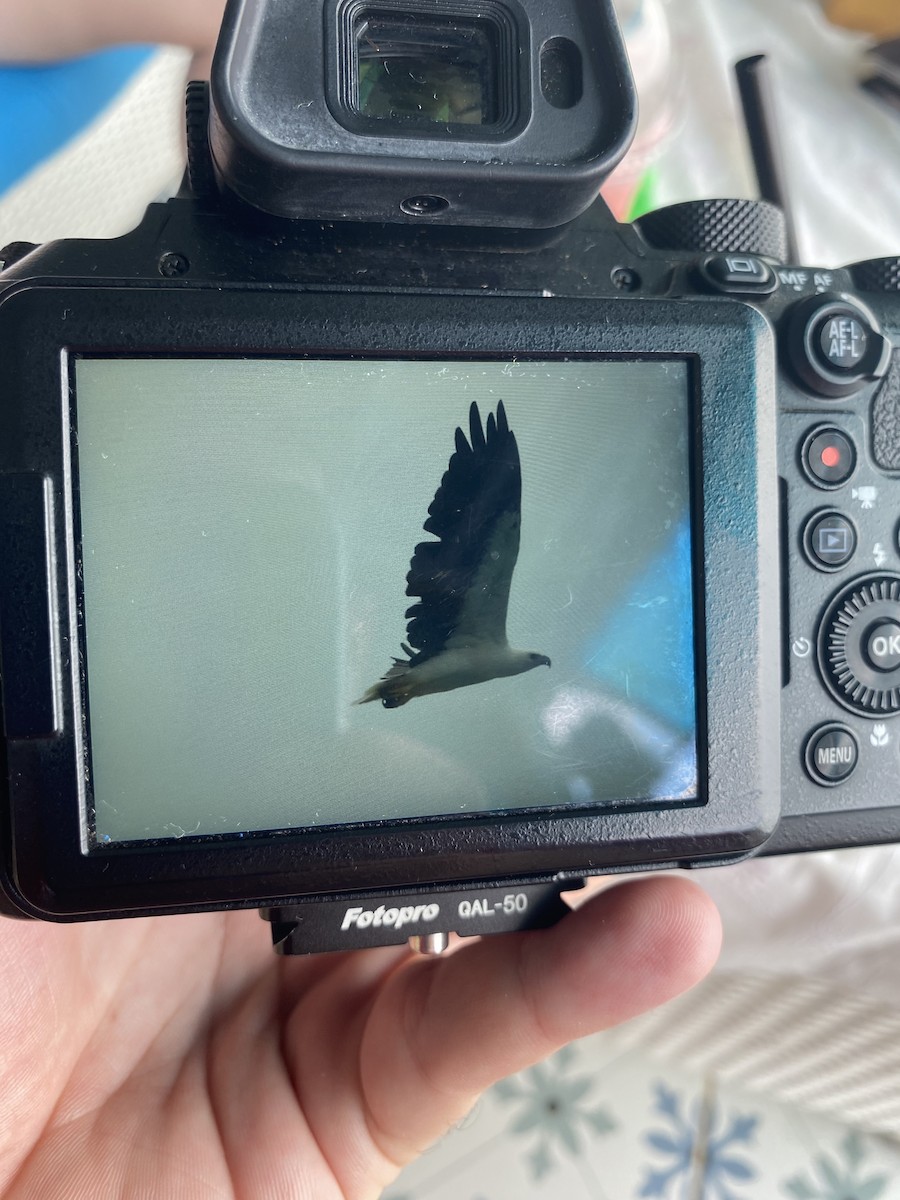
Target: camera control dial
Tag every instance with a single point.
(718, 227)
(859, 646)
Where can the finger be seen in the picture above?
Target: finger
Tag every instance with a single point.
(442, 1031)
(284, 1076)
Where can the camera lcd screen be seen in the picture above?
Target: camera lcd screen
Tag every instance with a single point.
(320, 592)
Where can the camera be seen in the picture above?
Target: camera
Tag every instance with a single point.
(391, 539)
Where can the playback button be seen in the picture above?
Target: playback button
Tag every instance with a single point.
(832, 754)
(829, 541)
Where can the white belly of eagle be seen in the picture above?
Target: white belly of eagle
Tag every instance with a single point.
(458, 667)
(465, 666)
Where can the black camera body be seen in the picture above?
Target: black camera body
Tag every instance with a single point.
(657, 453)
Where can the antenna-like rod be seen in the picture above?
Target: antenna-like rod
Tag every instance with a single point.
(757, 103)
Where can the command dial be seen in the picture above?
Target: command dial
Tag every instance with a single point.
(718, 227)
(859, 646)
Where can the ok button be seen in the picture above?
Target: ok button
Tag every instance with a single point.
(882, 646)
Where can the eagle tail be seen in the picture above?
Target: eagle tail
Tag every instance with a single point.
(392, 689)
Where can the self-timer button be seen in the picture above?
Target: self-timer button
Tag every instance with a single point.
(828, 457)
(832, 753)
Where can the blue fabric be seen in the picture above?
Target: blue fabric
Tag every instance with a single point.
(42, 107)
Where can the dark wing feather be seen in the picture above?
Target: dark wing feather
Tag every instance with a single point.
(463, 579)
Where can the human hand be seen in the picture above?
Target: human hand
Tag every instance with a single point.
(178, 1057)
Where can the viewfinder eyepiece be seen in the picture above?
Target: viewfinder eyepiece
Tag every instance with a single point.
(508, 113)
(432, 71)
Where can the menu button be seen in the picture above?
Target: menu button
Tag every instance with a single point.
(832, 753)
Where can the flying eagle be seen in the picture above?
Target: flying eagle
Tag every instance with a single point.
(456, 635)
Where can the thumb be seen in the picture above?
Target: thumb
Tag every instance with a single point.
(441, 1031)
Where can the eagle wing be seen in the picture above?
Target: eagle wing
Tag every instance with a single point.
(463, 579)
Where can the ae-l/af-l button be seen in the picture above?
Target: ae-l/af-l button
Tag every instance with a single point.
(835, 347)
(843, 341)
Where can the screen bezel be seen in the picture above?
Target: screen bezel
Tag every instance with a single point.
(49, 861)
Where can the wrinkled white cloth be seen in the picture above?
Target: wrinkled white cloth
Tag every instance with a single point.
(841, 146)
(832, 915)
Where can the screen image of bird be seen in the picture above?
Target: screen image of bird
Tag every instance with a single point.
(456, 631)
(260, 537)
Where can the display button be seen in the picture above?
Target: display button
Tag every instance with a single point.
(740, 273)
(881, 645)
(829, 457)
(843, 341)
(832, 754)
(829, 541)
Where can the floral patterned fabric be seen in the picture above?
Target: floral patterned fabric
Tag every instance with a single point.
(592, 1122)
